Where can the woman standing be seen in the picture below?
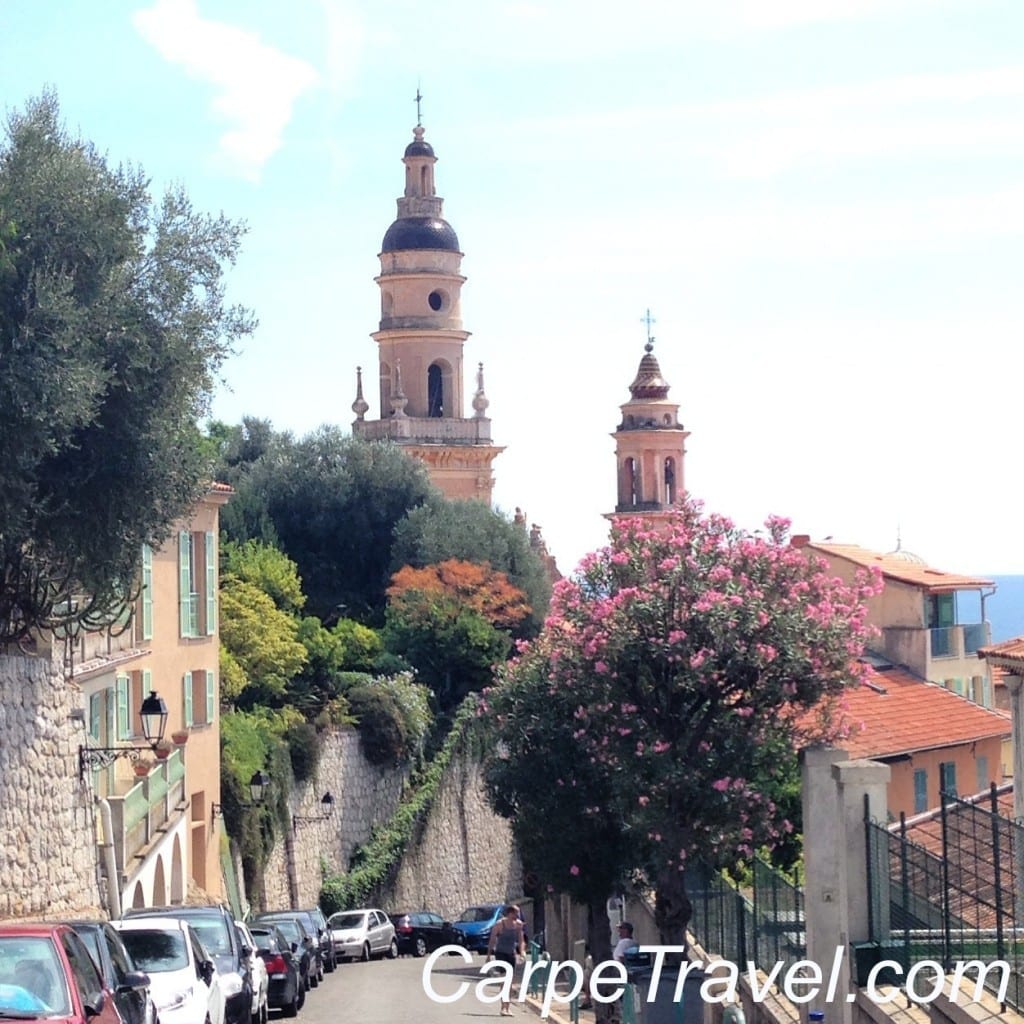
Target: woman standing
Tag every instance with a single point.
(508, 937)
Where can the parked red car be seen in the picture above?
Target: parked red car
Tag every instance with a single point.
(46, 971)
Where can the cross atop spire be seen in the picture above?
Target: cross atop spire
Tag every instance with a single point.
(648, 320)
(419, 99)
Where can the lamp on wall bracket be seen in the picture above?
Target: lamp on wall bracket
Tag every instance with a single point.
(326, 803)
(153, 714)
(258, 786)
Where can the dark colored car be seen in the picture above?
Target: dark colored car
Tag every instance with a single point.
(305, 946)
(285, 990)
(216, 929)
(129, 985)
(46, 970)
(422, 931)
(318, 924)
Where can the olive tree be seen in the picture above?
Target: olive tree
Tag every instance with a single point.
(113, 324)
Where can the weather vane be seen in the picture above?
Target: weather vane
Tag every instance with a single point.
(648, 320)
(419, 97)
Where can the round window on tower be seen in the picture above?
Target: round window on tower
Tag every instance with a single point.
(438, 301)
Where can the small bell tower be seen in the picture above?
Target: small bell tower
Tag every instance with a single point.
(420, 342)
(650, 442)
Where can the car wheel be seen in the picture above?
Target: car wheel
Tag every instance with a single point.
(332, 962)
(314, 978)
(420, 948)
(393, 950)
(300, 998)
(365, 956)
(291, 1009)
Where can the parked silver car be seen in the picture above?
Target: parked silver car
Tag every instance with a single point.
(362, 934)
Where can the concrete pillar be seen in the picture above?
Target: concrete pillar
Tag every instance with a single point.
(1016, 691)
(835, 870)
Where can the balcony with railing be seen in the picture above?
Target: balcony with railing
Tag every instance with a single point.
(141, 815)
(958, 641)
(425, 430)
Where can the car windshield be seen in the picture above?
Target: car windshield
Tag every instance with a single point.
(473, 914)
(90, 936)
(341, 921)
(291, 929)
(213, 934)
(156, 951)
(31, 979)
(264, 939)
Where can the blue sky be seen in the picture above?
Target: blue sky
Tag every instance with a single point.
(820, 201)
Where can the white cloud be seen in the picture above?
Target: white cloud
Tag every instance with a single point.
(257, 86)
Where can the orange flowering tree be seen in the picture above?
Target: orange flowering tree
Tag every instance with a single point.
(453, 622)
(684, 664)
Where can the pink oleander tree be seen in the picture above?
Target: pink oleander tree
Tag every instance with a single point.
(686, 663)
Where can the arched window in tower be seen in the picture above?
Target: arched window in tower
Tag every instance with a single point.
(385, 391)
(424, 182)
(435, 392)
(630, 483)
(670, 481)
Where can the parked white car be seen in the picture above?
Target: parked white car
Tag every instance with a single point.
(260, 978)
(183, 978)
(361, 934)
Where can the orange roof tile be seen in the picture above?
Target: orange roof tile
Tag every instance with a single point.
(895, 712)
(1008, 651)
(894, 566)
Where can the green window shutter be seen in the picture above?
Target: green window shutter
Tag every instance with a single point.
(211, 584)
(96, 716)
(124, 717)
(111, 714)
(920, 790)
(185, 583)
(147, 592)
(188, 700)
(211, 692)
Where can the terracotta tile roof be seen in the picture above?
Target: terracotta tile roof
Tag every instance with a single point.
(1009, 651)
(222, 488)
(975, 888)
(895, 712)
(895, 565)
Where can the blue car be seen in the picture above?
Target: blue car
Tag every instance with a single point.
(473, 927)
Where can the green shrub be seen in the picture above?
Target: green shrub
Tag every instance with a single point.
(304, 749)
(382, 730)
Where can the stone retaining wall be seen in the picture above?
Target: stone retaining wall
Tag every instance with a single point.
(47, 828)
(464, 854)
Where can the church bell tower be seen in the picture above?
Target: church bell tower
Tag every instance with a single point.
(650, 442)
(420, 343)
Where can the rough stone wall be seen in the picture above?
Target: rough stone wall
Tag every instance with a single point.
(465, 853)
(364, 796)
(48, 853)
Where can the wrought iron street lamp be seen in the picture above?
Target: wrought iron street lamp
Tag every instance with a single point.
(258, 786)
(153, 714)
(327, 805)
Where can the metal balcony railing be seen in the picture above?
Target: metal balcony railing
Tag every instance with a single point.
(139, 816)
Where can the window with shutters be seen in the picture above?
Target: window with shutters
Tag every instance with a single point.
(200, 706)
(983, 778)
(947, 777)
(145, 611)
(197, 583)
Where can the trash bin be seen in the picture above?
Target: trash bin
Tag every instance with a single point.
(664, 1009)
